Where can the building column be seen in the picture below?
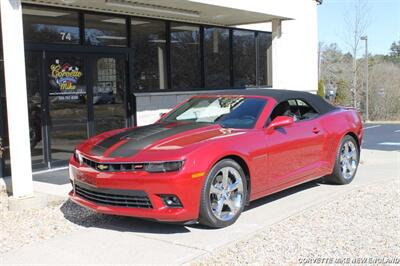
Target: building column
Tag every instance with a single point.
(17, 102)
(276, 28)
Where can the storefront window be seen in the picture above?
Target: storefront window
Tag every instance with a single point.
(149, 65)
(244, 58)
(185, 56)
(33, 63)
(265, 63)
(105, 30)
(48, 25)
(216, 57)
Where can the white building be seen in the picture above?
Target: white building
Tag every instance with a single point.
(95, 65)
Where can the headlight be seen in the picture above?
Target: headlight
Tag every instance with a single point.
(78, 157)
(160, 167)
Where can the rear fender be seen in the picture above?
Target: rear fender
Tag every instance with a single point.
(337, 125)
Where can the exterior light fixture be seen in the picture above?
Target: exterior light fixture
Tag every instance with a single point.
(69, 1)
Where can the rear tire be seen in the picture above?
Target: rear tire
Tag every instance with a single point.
(223, 195)
(346, 164)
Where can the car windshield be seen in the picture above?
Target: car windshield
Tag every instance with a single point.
(231, 112)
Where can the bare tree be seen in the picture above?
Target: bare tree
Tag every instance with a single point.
(385, 91)
(334, 64)
(357, 20)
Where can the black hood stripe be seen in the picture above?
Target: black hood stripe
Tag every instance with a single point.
(141, 137)
(102, 146)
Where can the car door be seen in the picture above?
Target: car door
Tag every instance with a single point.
(293, 151)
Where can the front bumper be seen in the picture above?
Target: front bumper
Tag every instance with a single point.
(137, 184)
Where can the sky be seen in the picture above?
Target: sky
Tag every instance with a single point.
(383, 30)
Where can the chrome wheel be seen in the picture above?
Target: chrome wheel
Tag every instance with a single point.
(226, 193)
(348, 159)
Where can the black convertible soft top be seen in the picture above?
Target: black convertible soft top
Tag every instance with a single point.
(316, 101)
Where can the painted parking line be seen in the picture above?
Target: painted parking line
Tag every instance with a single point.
(372, 126)
(397, 131)
(49, 170)
(390, 143)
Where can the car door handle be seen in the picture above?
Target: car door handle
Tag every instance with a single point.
(315, 130)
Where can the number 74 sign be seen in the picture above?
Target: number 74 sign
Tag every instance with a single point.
(65, 36)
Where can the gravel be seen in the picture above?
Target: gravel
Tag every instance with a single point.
(364, 224)
(19, 228)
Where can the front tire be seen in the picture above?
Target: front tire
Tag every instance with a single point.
(223, 195)
(346, 164)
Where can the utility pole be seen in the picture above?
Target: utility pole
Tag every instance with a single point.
(365, 38)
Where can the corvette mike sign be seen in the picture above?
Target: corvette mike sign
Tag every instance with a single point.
(64, 79)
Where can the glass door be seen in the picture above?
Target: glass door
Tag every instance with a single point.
(68, 103)
(86, 96)
(108, 80)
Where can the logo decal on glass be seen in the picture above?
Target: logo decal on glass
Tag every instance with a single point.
(66, 76)
(64, 79)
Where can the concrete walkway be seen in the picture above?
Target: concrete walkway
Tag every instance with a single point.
(132, 241)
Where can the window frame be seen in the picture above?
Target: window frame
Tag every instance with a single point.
(170, 64)
(309, 105)
(56, 9)
(83, 28)
(268, 121)
(131, 45)
(205, 59)
(256, 59)
(268, 57)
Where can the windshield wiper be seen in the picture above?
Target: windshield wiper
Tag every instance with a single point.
(222, 125)
(219, 117)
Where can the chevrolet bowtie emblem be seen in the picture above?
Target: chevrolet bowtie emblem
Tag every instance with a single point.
(102, 167)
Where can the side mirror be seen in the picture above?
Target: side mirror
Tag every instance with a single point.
(162, 115)
(280, 121)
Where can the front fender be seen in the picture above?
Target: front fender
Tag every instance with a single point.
(249, 147)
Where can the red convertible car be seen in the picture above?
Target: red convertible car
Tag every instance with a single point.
(214, 153)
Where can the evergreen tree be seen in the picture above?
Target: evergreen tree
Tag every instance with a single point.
(321, 88)
(342, 93)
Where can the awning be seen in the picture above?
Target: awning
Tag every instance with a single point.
(178, 10)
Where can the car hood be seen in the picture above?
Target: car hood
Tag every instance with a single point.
(155, 137)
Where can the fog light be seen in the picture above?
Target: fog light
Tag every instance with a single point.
(171, 201)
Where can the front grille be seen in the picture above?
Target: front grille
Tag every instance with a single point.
(113, 167)
(113, 197)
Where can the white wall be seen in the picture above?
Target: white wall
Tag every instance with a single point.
(295, 52)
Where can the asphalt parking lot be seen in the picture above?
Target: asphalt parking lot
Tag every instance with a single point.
(384, 137)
